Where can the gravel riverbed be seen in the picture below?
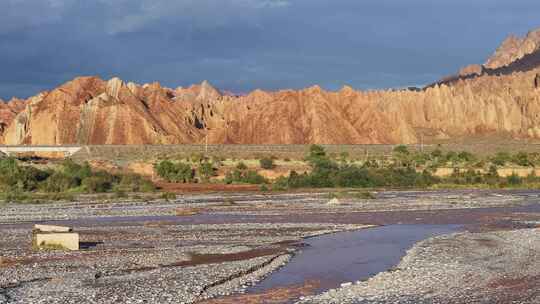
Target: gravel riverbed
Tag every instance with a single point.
(142, 251)
(149, 263)
(493, 267)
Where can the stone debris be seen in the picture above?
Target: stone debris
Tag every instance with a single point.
(334, 201)
(131, 247)
(135, 263)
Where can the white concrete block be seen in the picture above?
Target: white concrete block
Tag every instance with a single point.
(67, 240)
(52, 228)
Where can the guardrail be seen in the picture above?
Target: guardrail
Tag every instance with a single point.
(67, 150)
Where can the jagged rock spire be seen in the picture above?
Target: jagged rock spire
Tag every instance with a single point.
(208, 92)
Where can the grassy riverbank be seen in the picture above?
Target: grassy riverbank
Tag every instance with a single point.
(25, 182)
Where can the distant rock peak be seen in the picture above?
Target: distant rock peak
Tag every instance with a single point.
(514, 48)
(208, 92)
(113, 87)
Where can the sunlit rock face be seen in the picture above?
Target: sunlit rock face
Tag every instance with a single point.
(480, 100)
(513, 49)
(89, 110)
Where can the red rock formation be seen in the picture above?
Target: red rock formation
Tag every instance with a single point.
(513, 49)
(88, 110)
(8, 111)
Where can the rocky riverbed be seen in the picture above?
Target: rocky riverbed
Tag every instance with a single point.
(491, 267)
(261, 204)
(154, 262)
(198, 247)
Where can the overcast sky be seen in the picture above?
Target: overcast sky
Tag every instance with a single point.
(240, 45)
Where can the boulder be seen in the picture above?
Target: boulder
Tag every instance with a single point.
(334, 201)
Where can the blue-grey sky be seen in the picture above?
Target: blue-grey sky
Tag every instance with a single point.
(240, 45)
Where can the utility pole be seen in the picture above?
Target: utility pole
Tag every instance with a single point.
(206, 143)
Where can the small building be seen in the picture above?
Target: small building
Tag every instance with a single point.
(54, 237)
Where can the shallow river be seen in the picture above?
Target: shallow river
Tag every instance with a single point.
(350, 256)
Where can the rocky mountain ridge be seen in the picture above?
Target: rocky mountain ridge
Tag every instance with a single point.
(482, 100)
(514, 48)
(89, 110)
(516, 54)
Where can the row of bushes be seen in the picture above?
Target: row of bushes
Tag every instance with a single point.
(328, 173)
(244, 176)
(437, 158)
(70, 177)
(179, 172)
(490, 178)
(357, 177)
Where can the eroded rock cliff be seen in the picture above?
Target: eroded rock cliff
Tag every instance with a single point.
(500, 98)
(89, 110)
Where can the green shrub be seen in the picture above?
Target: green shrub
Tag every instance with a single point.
(14, 196)
(492, 171)
(175, 172)
(134, 183)
(514, 180)
(197, 157)
(401, 149)
(465, 156)
(241, 166)
(28, 178)
(280, 184)
(344, 157)
(452, 157)
(206, 170)
(267, 163)
(501, 158)
(437, 153)
(97, 184)
(316, 154)
(19, 178)
(71, 177)
(72, 169)
(244, 176)
(522, 159)
(60, 182)
(468, 177)
(252, 177)
(531, 178)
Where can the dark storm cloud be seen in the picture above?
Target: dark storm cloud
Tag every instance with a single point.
(243, 44)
